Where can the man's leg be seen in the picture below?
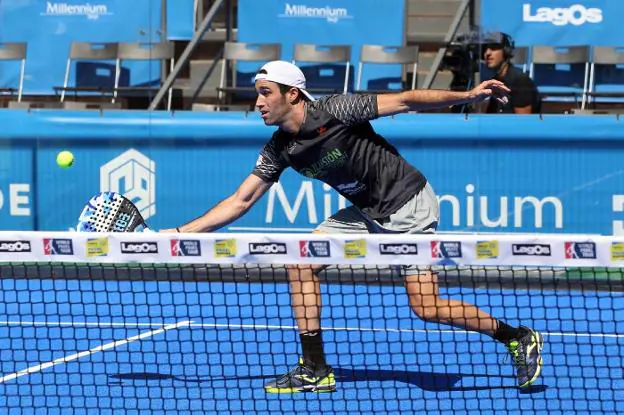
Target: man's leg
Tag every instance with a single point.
(524, 344)
(313, 373)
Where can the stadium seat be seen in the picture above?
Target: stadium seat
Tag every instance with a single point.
(325, 75)
(142, 52)
(606, 75)
(14, 52)
(561, 73)
(93, 73)
(521, 58)
(243, 75)
(380, 55)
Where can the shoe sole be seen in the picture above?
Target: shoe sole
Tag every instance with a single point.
(312, 389)
(540, 346)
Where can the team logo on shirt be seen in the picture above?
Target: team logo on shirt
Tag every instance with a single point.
(580, 250)
(333, 159)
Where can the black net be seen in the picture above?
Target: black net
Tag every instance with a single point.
(83, 338)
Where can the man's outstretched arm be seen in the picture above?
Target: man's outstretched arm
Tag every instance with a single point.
(230, 209)
(421, 99)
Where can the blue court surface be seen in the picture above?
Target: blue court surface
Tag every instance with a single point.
(103, 347)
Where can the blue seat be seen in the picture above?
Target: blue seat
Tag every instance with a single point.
(606, 75)
(561, 73)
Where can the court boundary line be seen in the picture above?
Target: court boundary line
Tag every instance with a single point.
(193, 324)
(97, 349)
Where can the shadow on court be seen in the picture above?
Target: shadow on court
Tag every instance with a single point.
(428, 381)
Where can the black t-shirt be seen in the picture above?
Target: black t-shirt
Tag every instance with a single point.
(337, 145)
(523, 93)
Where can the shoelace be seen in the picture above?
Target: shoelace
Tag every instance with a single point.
(516, 355)
(299, 369)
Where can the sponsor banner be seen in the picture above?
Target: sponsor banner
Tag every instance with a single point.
(580, 250)
(15, 246)
(58, 246)
(185, 247)
(446, 249)
(54, 25)
(147, 247)
(556, 22)
(343, 22)
(97, 247)
(163, 179)
(311, 249)
(267, 248)
(225, 248)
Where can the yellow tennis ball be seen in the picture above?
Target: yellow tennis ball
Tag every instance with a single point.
(65, 159)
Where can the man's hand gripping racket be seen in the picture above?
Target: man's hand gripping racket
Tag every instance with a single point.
(111, 212)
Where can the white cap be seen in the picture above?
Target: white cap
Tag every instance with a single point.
(284, 73)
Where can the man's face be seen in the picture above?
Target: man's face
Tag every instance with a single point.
(273, 106)
(493, 56)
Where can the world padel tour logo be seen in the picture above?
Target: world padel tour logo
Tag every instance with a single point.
(185, 247)
(314, 249)
(225, 248)
(90, 11)
(97, 247)
(355, 249)
(58, 246)
(580, 250)
(446, 249)
(487, 249)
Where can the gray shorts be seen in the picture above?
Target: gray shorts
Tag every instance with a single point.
(420, 214)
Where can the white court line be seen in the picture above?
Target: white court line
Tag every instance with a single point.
(275, 327)
(101, 348)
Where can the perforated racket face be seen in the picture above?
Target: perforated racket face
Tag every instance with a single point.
(110, 212)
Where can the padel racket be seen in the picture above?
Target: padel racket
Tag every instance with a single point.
(110, 212)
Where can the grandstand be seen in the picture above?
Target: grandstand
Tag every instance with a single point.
(189, 49)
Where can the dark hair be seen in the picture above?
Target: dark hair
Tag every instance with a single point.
(500, 40)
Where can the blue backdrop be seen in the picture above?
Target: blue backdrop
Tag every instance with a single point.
(49, 28)
(340, 22)
(492, 173)
(556, 22)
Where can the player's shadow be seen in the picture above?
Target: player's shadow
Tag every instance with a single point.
(428, 381)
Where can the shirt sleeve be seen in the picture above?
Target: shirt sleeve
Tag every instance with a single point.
(270, 163)
(350, 109)
(523, 93)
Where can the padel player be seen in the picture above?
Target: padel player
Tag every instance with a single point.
(333, 141)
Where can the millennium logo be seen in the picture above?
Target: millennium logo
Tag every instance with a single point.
(332, 15)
